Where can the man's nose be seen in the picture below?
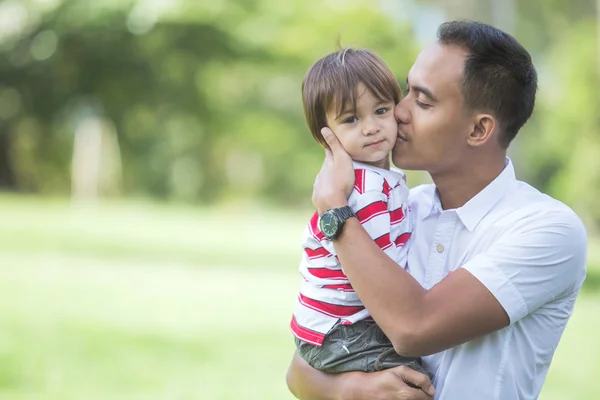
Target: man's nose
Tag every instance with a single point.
(401, 113)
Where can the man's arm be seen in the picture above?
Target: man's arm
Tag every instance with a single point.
(307, 383)
(417, 321)
(533, 266)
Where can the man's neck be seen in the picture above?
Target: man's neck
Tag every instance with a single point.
(455, 188)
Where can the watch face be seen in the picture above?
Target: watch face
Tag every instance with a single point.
(328, 224)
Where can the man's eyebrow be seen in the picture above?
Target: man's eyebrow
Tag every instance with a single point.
(424, 90)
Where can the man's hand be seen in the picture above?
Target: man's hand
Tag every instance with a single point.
(335, 181)
(400, 383)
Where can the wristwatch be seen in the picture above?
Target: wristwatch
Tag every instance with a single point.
(332, 221)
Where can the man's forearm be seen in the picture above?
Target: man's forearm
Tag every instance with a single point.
(417, 321)
(393, 297)
(306, 383)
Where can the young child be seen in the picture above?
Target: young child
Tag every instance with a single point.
(353, 93)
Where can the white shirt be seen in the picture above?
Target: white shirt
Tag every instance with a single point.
(529, 250)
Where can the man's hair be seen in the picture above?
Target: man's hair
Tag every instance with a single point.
(499, 76)
(332, 83)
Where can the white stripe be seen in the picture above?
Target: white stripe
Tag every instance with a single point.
(313, 320)
(331, 296)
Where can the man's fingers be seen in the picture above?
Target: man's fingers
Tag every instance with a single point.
(417, 394)
(418, 379)
(331, 139)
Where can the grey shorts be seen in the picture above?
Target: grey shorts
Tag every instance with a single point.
(359, 347)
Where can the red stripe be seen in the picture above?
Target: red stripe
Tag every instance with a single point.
(333, 310)
(402, 239)
(371, 211)
(383, 241)
(386, 188)
(316, 253)
(359, 180)
(326, 273)
(314, 227)
(396, 216)
(346, 287)
(306, 334)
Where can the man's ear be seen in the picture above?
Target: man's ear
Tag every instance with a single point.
(484, 129)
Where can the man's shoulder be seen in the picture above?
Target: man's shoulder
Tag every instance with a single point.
(529, 204)
(541, 231)
(530, 219)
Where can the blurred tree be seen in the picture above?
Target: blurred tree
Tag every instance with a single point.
(563, 153)
(205, 98)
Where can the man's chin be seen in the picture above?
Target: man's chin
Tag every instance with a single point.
(404, 163)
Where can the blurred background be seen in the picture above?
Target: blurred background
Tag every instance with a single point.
(156, 173)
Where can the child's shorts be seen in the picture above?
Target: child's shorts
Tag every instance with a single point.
(358, 347)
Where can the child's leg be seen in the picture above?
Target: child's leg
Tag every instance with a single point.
(359, 347)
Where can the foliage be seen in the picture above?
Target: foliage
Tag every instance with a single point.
(563, 153)
(204, 96)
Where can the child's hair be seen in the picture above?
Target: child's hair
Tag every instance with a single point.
(333, 81)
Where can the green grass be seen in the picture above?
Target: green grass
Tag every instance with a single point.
(140, 301)
(151, 233)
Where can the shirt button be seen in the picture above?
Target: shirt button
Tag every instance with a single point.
(440, 248)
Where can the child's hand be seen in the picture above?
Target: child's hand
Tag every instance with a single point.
(335, 181)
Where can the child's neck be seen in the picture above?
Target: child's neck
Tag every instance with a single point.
(383, 164)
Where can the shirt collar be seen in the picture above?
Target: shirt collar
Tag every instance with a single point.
(480, 205)
(392, 175)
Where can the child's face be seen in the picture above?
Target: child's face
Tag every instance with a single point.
(369, 134)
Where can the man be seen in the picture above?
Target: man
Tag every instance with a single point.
(495, 266)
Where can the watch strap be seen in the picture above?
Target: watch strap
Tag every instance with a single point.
(343, 213)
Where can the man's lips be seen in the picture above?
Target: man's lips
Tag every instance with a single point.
(402, 137)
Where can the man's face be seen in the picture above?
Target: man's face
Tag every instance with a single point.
(433, 126)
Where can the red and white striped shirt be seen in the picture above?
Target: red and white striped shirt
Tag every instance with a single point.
(380, 201)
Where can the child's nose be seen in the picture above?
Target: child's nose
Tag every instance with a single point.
(371, 127)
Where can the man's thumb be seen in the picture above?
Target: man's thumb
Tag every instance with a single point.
(330, 138)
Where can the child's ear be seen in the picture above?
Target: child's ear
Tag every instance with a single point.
(484, 128)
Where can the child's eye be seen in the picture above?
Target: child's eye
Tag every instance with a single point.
(381, 111)
(350, 120)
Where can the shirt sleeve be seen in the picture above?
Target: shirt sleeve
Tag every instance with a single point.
(538, 259)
